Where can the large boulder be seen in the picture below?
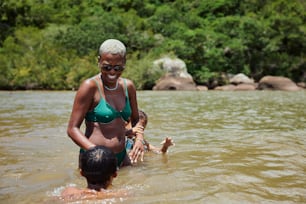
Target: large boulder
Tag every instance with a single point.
(174, 67)
(228, 87)
(239, 87)
(241, 79)
(202, 88)
(246, 87)
(302, 85)
(176, 77)
(169, 82)
(277, 83)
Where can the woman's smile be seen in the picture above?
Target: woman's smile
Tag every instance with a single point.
(112, 77)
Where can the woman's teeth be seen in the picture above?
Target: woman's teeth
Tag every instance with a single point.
(111, 76)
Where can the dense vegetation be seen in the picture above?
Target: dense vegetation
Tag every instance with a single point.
(49, 44)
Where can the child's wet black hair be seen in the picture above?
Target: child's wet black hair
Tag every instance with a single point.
(98, 165)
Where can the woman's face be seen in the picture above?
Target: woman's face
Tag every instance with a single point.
(112, 66)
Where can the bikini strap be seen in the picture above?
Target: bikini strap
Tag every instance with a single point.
(126, 90)
(97, 83)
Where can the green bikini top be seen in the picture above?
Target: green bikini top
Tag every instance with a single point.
(105, 113)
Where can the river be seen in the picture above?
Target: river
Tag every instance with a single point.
(230, 147)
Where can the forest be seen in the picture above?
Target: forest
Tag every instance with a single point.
(53, 45)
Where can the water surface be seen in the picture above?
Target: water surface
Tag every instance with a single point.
(231, 147)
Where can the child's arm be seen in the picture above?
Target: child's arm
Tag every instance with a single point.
(166, 144)
(164, 148)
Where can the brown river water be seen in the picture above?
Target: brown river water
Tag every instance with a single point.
(230, 147)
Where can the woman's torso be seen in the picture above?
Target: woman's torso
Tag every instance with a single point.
(105, 122)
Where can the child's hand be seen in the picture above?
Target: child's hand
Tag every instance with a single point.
(167, 142)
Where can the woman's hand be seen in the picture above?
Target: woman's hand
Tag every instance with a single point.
(138, 149)
(138, 129)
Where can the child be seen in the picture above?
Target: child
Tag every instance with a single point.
(130, 133)
(99, 167)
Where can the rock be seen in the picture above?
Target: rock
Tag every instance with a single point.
(302, 85)
(202, 88)
(239, 87)
(229, 87)
(246, 87)
(277, 83)
(176, 77)
(241, 79)
(170, 82)
(174, 67)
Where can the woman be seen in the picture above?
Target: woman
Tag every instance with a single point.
(106, 102)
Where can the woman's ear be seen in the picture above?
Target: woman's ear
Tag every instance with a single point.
(99, 57)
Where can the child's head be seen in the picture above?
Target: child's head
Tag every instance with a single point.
(98, 166)
(143, 118)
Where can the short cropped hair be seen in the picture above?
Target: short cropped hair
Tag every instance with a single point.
(112, 46)
(98, 165)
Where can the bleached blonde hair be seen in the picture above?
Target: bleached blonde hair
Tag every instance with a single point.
(112, 46)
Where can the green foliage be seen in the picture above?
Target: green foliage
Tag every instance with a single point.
(142, 71)
(81, 69)
(88, 35)
(218, 8)
(53, 44)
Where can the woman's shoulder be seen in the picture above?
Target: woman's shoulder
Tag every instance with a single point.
(92, 80)
(129, 83)
(90, 83)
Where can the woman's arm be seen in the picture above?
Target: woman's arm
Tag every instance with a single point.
(82, 102)
(138, 148)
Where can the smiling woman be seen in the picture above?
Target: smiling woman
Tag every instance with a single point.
(106, 102)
